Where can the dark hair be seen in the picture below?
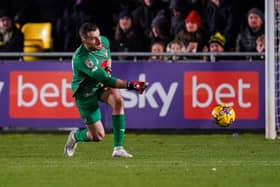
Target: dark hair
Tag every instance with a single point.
(87, 27)
(4, 13)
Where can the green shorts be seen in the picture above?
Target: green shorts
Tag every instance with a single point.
(88, 107)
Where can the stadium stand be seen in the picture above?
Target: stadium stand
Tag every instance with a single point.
(37, 38)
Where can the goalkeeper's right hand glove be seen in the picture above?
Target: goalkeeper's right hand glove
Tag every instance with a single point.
(138, 86)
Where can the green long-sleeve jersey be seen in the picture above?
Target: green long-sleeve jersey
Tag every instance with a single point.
(88, 76)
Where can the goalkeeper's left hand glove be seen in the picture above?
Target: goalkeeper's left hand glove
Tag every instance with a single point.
(138, 86)
(108, 70)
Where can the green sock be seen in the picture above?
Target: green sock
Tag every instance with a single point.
(118, 129)
(81, 135)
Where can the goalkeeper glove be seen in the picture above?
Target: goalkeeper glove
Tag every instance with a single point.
(108, 70)
(139, 86)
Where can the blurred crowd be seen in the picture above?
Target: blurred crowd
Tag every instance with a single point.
(142, 25)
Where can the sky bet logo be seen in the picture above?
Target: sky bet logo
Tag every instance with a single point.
(47, 94)
(41, 95)
(203, 90)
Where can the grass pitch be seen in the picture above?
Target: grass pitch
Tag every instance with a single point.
(159, 160)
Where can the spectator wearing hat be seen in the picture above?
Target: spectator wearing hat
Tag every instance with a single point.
(160, 28)
(246, 39)
(193, 36)
(11, 38)
(179, 9)
(217, 43)
(127, 38)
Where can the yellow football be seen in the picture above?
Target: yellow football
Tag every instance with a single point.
(223, 115)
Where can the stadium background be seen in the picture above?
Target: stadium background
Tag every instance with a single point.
(181, 94)
(34, 95)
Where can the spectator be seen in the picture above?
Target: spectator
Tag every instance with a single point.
(175, 46)
(11, 38)
(192, 35)
(179, 9)
(245, 6)
(77, 12)
(246, 39)
(178, 14)
(217, 45)
(119, 5)
(127, 38)
(260, 46)
(157, 47)
(160, 29)
(145, 13)
(221, 17)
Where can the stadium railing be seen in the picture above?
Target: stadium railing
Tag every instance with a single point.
(136, 56)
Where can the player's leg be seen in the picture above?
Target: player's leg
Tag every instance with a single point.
(93, 132)
(115, 100)
(96, 131)
(91, 115)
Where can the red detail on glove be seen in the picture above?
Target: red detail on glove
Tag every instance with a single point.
(108, 70)
(139, 86)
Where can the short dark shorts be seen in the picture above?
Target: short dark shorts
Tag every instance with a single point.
(88, 106)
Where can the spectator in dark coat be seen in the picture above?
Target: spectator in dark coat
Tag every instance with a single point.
(160, 29)
(11, 38)
(179, 11)
(221, 17)
(127, 38)
(144, 14)
(246, 39)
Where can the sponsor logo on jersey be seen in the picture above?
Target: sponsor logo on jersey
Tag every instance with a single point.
(89, 63)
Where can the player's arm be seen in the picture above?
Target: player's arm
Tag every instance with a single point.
(107, 65)
(114, 82)
(100, 75)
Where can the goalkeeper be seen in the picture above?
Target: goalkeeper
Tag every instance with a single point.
(92, 82)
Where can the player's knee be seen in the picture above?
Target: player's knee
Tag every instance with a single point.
(98, 137)
(119, 102)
